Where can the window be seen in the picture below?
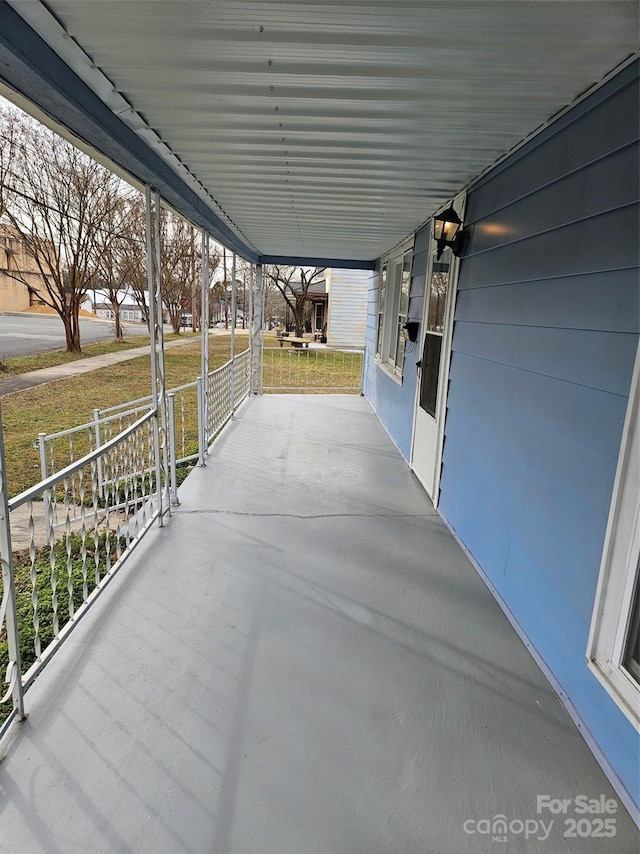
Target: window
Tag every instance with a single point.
(393, 304)
(432, 347)
(381, 304)
(405, 283)
(614, 640)
(631, 659)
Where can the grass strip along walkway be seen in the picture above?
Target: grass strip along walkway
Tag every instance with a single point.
(68, 402)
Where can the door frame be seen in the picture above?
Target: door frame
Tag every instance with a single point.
(459, 202)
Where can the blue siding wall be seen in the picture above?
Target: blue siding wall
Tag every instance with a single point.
(546, 331)
(393, 403)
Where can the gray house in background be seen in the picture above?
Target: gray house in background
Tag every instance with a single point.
(338, 307)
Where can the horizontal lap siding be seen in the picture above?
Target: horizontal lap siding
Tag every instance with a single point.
(348, 309)
(605, 299)
(546, 330)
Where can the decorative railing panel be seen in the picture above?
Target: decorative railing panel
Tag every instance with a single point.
(64, 539)
(311, 370)
(219, 405)
(242, 376)
(227, 387)
(59, 449)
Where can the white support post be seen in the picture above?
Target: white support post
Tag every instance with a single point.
(250, 324)
(252, 278)
(203, 435)
(155, 330)
(233, 334)
(256, 333)
(8, 613)
(162, 386)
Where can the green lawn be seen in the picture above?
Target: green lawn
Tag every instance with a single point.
(67, 403)
(25, 364)
(300, 371)
(70, 402)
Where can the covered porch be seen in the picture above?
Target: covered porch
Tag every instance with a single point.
(303, 660)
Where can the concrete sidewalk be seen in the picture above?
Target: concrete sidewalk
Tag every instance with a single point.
(82, 366)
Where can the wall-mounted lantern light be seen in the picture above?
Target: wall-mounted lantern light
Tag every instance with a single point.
(410, 330)
(447, 231)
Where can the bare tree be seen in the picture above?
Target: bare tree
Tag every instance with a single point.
(293, 283)
(214, 264)
(180, 259)
(133, 254)
(217, 300)
(57, 200)
(177, 266)
(8, 145)
(116, 258)
(196, 284)
(274, 305)
(222, 289)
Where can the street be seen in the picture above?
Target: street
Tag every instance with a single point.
(24, 335)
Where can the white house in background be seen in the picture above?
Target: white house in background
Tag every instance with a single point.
(128, 311)
(337, 313)
(97, 301)
(346, 308)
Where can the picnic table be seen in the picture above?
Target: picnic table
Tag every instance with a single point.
(295, 342)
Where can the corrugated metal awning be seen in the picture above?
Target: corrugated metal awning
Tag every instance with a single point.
(321, 130)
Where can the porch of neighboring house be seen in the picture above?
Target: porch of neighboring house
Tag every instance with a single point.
(301, 660)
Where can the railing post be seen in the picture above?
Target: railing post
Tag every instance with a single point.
(172, 449)
(202, 420)
(256, 333)
(252, 280)
(154, 284)
(8, 604)
(46, 498)
(96, 421)
(233, 334)
(362, 371)
(204, 339)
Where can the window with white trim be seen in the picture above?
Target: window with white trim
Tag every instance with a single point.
(393, 303)
(614, 640)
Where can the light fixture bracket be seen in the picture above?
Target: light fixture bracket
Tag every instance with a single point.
(410, 330)
(448, 232)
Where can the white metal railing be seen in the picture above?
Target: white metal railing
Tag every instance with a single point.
(185, 402)
(98, 496)
(227, 387)
(218, 400)
(77, 537)
(242, 376)
(82, 520)
(316, 370)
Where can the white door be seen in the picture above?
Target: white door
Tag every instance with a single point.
(433, 368)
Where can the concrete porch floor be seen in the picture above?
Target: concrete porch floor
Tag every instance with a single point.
(302, 660)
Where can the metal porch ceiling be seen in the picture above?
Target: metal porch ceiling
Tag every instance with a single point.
(325, 130)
